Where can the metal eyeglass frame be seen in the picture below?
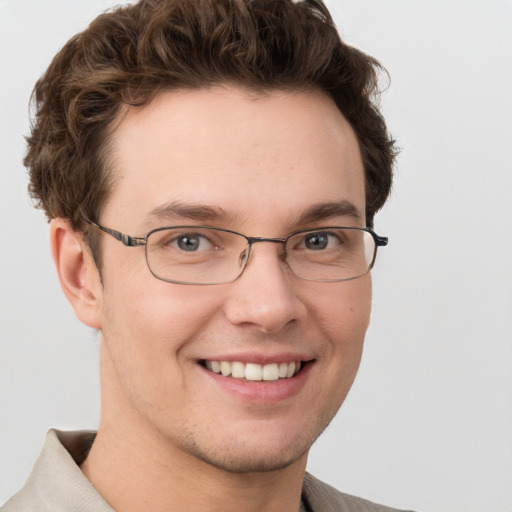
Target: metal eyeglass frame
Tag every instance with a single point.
(132, 241)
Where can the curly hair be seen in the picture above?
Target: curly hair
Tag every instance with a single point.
(129, 54)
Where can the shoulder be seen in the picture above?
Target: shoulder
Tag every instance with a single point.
(21, 502)
(56, 483)
(321, 497)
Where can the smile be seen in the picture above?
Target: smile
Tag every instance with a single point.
(254, 371)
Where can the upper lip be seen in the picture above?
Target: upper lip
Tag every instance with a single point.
(260, 358)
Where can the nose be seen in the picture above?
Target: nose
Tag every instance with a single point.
(265, 295)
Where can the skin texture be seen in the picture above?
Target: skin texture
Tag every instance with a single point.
(170, 431)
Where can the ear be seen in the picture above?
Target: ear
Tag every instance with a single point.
(78, 275)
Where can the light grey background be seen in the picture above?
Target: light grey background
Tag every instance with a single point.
(428, 424)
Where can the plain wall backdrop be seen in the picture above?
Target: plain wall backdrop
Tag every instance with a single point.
(428, 423)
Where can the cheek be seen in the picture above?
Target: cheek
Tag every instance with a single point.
(344, 310)
(152, 319)
(344, 314)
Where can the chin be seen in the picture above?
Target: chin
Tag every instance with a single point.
(246, 461)
(254, 450)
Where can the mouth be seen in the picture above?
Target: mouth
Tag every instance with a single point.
(253, 371)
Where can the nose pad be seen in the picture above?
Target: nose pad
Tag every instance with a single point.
(283, 253)
(242, 259)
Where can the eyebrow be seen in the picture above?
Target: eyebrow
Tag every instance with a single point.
(323, 211)
(175, 209)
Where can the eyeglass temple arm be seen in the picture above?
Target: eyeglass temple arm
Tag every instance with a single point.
(381, 241)
(127, 240)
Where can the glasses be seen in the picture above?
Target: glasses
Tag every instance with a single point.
(207, 255)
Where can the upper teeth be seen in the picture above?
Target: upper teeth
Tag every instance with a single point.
(254, 371)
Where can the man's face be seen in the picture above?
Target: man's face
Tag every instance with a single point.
(252, 164)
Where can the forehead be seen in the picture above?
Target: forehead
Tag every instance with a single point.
(247, 155)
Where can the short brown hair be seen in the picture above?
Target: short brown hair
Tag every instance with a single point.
(127, 55)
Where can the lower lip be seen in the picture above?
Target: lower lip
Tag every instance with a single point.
(262, 392)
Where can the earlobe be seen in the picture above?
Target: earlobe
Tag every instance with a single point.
(78, 275)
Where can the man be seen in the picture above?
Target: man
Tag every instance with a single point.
(211, 170)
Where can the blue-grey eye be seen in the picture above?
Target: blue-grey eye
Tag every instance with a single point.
(316, 241)
(192, 242)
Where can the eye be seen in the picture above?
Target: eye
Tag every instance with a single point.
(320, 241)
(191, 242)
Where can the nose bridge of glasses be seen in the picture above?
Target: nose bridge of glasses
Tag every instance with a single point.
(251, 240)
(257, 239)
(281, 241)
